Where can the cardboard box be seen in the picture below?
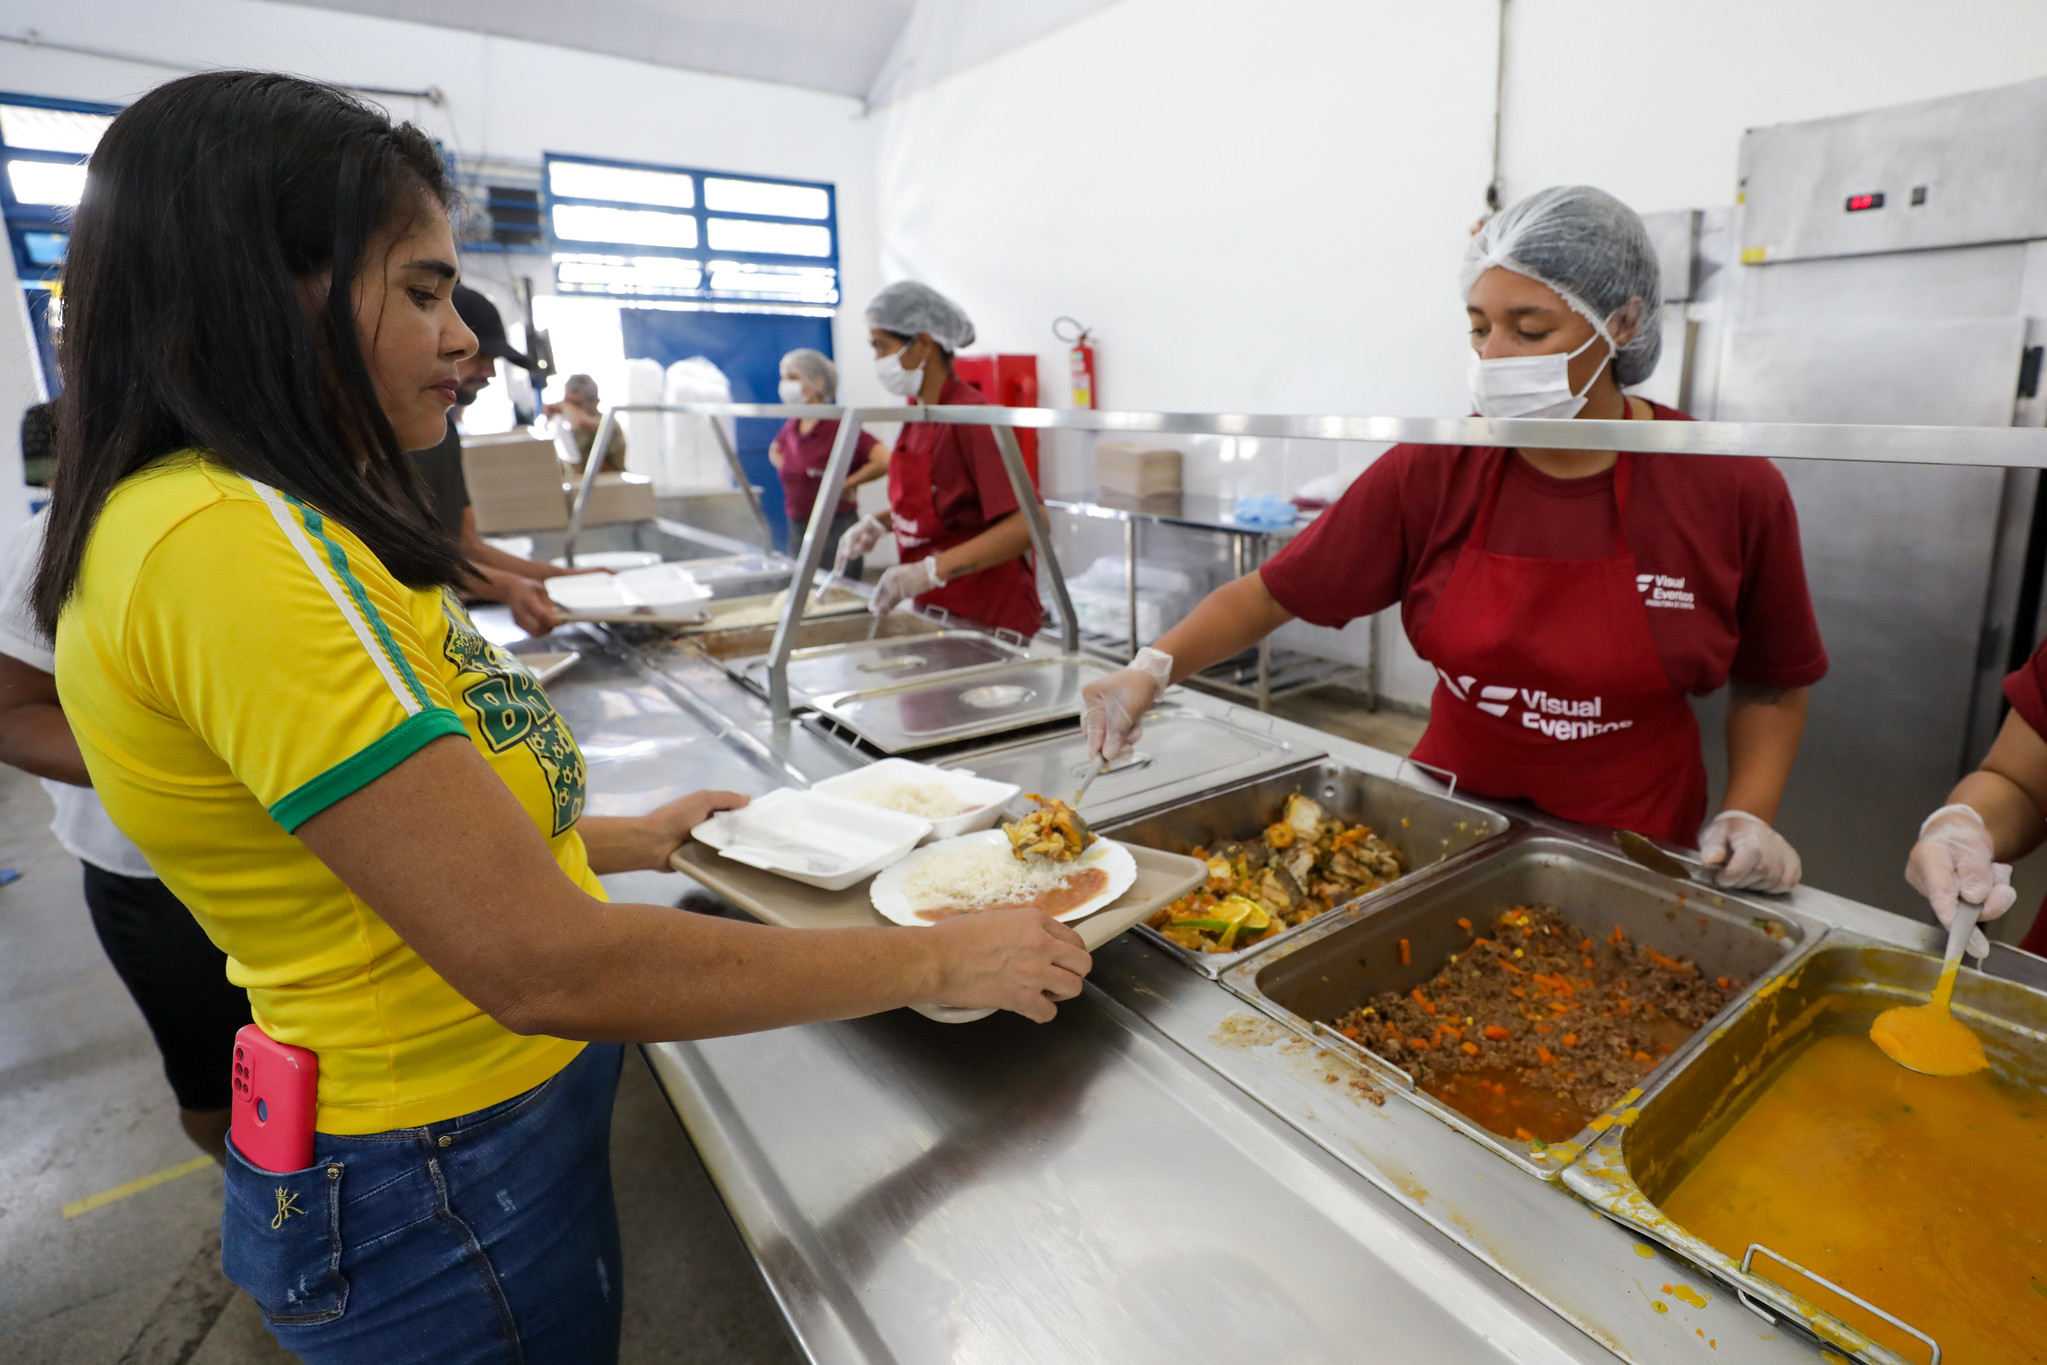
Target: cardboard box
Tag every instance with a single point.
(616, 497)
(515, 483)
(1136, 471)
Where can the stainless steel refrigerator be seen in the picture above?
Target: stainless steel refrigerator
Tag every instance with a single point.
(1889, 266)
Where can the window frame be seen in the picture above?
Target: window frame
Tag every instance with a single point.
(702, 254)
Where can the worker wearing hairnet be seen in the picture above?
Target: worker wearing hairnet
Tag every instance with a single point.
(803, 447)
(963, 543)
(1570, 601)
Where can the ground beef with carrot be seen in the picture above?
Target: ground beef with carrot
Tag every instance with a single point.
(1539, 1026)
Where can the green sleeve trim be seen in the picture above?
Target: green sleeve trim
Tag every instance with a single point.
(360, 769)
(337, 556)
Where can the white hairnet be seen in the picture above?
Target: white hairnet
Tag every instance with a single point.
(816, 369)
(1593, 251)
(907, 308)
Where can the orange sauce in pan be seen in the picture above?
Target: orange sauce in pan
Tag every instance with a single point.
(1926, 1195)
(1498, 1098)
(1081, 887)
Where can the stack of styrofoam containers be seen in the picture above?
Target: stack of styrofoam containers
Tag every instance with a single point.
(646, 440)
(692, 459)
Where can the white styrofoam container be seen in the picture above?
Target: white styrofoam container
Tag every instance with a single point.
(809, 837)
(989, 797)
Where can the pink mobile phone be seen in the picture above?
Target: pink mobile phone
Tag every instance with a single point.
(275, 1086)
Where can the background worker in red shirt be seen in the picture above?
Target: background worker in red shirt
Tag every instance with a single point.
(803, 447)
(1994, 817)
(963, 543)
(1570, 600)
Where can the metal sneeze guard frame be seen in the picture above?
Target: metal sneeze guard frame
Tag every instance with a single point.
(1992, 447)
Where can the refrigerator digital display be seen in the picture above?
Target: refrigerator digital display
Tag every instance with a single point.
(1858, 202)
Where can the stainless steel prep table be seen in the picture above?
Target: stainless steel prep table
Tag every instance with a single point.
(1161, 1174)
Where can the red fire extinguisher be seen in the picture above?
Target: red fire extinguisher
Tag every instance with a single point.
(1081, 358)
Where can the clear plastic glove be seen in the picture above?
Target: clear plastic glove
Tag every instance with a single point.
(861, 537)
(1955, 861)
(902, 582)
(1748, 854)
(1113, 717)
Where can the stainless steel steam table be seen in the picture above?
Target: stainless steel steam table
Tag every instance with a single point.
(1161, 1174)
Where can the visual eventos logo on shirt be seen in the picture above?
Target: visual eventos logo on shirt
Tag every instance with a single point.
(1561, 718)
(1661, 590)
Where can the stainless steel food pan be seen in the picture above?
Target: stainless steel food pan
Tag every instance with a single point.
(727, 646)
(823, 669)
(1842, 987)
(1182, 753)
(994, 699)
(1348, 956)
(1427, 829)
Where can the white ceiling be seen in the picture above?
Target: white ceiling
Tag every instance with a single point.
(837, 46)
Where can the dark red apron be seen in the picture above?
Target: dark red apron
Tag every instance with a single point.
(1550, 687)
(1005, 595)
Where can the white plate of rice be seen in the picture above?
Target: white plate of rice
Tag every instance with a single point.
(979, 871)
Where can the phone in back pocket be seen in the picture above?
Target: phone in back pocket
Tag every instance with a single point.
(275, 1090)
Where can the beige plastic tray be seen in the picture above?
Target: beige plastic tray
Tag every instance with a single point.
(1162, 878)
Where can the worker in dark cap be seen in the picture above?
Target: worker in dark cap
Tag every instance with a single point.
(500, 577)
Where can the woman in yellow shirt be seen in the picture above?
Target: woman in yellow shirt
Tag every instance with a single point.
(374, 811)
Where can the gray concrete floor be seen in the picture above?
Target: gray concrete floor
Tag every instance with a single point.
(84, 1108)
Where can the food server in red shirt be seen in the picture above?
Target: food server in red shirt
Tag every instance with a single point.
(1570, 600)
(1994, 817)
(964, 545)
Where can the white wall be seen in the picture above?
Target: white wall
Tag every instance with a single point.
(1262, 207)
(505, 98)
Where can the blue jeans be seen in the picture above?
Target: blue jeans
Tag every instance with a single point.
(486, 1238)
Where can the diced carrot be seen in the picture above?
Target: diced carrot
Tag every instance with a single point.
(1542, 1054)
(1586, 946)
(1570, 1040)
(1350, 1031)
(1517, 992)
(1643, 1057)
(1495, 1032)
(1588, 964)
(1464, 924)
(1723, 983)
(1560, 1007)
(1406, 955)
(1544, 1029)
(1471, 1048)
(1524, 1135)
(1421, 1043)
(1499, 1087)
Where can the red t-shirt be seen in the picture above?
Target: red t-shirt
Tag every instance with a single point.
(803, 461)
(2026, 690)
(969, 488)
(1715, 541)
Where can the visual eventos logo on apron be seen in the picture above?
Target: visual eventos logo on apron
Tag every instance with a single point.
(1661, 590)
(1562, 718)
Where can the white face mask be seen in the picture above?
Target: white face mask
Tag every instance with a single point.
(1531, 385)
(791, 391)
(897, 380)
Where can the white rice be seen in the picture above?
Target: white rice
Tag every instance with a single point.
(928, 800)
(982, 874)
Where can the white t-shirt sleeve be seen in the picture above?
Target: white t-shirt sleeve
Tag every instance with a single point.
(19, 638)
(82, 824)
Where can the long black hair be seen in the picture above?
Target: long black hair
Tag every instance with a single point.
(208, 205)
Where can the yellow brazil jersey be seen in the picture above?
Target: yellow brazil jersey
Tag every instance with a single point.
(233, 664)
